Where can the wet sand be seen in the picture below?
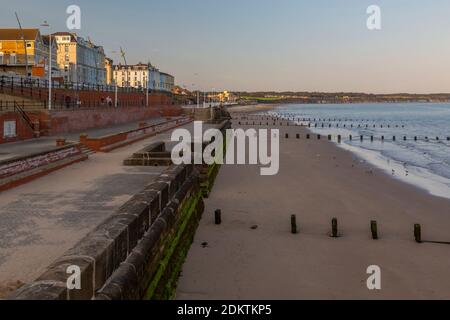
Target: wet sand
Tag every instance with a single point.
(317, 181)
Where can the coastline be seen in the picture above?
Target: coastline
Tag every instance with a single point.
(410, 173)
(317, 181)
(252, 109)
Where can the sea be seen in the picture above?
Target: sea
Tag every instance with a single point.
(420, 152)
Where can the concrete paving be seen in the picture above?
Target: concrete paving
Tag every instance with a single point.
(41, 220)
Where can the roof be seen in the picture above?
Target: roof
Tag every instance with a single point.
(16, 34)
(166, 74)
(73, 36)
(139, 66)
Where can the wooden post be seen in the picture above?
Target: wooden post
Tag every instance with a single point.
(334, 228)
(418, 233)
(294, 229)
(218, 217)
(374, 229)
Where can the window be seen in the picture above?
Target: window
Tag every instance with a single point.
(9, 129)
(13, 59)
(29, 45)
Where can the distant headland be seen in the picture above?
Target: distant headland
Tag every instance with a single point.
(339, 97)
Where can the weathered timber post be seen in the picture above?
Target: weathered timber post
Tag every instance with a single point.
(418, 233)
(218, 217)
(374, 229)
(294, 229)
(334, 228)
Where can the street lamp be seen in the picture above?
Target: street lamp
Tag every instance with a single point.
(194, 86)
(46, 25)
(198, 92)
(24, 45)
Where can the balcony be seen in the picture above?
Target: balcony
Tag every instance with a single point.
(16, 60)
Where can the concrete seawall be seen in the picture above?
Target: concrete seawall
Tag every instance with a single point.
(121, 255)
(139, 251)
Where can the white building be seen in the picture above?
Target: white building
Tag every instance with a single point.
(166, 82)
(141, 76)
(80, 61)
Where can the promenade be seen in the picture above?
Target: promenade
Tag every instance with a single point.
(44, 218)
(253, 255)
(22, 148)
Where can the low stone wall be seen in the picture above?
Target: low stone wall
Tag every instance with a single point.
(110, 142)
(154, 155)
(139, 251)
(211, 114)
(127, 257)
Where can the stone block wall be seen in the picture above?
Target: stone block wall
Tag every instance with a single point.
(127, 256)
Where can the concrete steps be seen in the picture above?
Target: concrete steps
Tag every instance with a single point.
(86, 150)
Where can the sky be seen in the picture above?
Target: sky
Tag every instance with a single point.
(262, 45)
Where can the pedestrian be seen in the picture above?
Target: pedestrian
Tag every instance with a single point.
(68, 101)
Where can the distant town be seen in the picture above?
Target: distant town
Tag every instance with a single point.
(77, 62)
(73, 59)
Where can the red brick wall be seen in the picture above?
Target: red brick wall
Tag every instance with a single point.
(99, 142)
(89, 98)
(23, 131)
(78, 120)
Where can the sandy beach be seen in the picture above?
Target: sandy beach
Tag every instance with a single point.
(317, 181)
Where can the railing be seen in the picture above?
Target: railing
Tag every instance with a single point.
(9, 106)
(7, 82)
(17, 59)
(24, 115)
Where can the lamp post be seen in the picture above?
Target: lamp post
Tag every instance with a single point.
(116, 92)
(24, 45)
(50, 46)
(122, 54)
(148, 80)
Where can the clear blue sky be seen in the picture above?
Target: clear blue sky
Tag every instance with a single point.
(314, 45)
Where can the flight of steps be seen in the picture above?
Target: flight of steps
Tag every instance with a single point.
(85, 150)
